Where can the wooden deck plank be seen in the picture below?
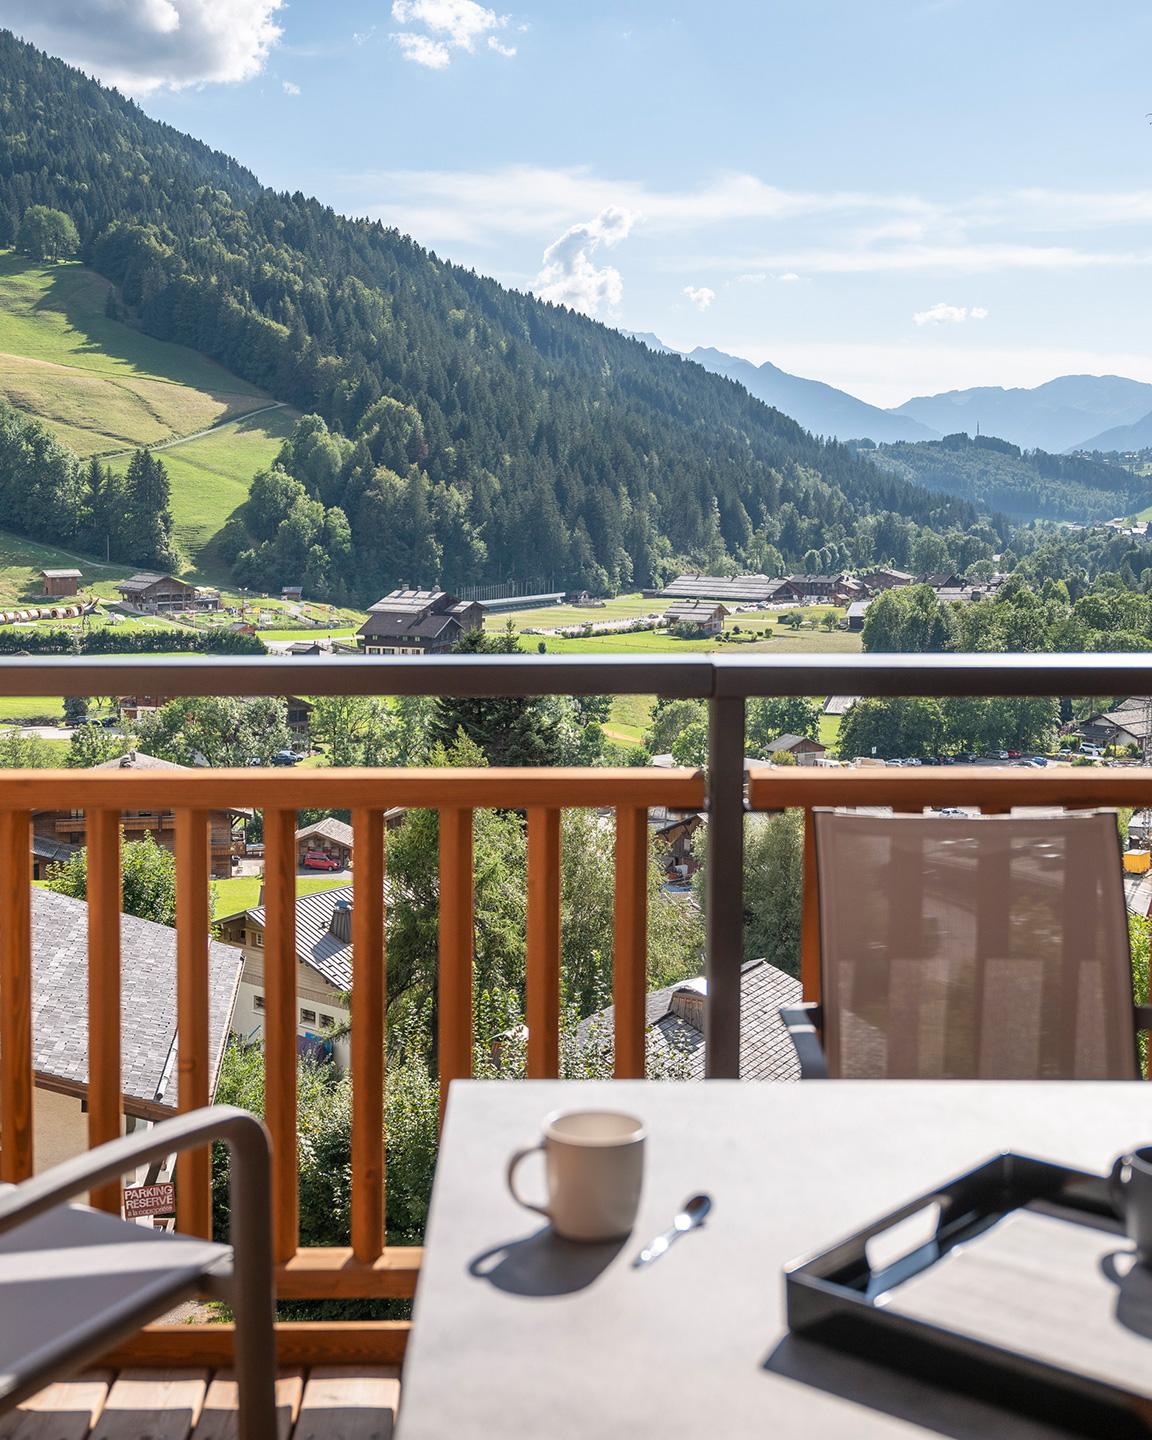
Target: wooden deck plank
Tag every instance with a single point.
(159, 1404)
(66, 1410)
(221, 1405)
(343, 1402)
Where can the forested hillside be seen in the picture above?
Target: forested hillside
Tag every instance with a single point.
(465, 418)
(1024, 484)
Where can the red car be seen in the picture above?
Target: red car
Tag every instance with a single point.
(317, 860)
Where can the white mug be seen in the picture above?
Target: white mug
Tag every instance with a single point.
(594, 1166)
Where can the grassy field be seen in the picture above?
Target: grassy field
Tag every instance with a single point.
(104, 388)
(242, 892)
(98, 384)
(210, 478)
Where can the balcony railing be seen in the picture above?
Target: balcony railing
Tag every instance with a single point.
(366, 1267)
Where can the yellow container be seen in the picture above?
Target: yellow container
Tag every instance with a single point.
(1137, 862)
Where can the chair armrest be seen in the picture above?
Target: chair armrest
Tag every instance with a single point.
(244, 1134)
(803, 1025)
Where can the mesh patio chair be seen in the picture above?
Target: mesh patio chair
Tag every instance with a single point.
(74, 1281)
(970, 948)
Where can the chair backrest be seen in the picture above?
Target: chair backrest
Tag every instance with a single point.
(990, 947)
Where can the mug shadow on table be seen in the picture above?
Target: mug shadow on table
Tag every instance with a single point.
(891, 1392)
(543, 1264)
(1133, 1283)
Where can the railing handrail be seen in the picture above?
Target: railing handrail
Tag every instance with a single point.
(513, 788)
(986, 787)
(692, 676)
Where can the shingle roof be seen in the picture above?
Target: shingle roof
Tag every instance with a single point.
(137, 760)
(789, 742)
(328, 829)
(766, 1052)
(61, 574)
(402, 623)
(148, 964)
(839, 704)
(55, 851)
(316, 946)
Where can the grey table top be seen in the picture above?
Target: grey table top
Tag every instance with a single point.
(521, 1336)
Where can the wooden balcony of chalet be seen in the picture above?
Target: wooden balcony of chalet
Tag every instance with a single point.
(352, 1367)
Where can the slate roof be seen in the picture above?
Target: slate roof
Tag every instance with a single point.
(61, 574)
(54, 851)
(329, 829)
(839, 704)
(789, 742)
(766, 1052)
(399, 624)
(137, 760)
(858, 607)
(148, 964)
(316, 946)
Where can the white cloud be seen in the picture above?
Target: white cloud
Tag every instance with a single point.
(944, 314)
(448, 25)
(143, 45)
(789, 277)
(290, 88)
(700, 296)
(423, 50)
(569, 274)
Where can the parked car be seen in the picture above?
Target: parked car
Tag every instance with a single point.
(317, 860)
(285, 757)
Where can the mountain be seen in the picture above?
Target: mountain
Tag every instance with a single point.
(1122, 437)
(1062, 414)
(819, 408)
(456, 430)
(1028, 485)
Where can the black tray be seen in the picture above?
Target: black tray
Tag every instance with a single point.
(1038, 1305)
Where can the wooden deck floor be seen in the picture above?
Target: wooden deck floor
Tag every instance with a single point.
(324, 1403)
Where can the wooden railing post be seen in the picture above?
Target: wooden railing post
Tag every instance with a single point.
(543, 977)
(193, 1167)
(105, 1083)
(630, 950)
(16, 1076)
(369, 979)
(724, 897)
(456, 946)
(280, 1027)
(810, 915)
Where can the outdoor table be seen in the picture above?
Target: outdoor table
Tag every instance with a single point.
(521, 1336)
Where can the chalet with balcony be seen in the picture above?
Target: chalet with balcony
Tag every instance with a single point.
(884, 578)
(149, 1041)
(299, 718)
(705, 617)
(165, 594)
(323, 970)
(60, 582)
(417, 622)
(226, 827)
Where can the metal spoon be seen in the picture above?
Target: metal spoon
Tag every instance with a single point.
(694, 1212)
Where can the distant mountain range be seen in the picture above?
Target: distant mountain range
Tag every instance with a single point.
(1068, 413)
(1072, 412)
(820, 408)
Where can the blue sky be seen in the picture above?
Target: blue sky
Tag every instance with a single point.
(895, 196)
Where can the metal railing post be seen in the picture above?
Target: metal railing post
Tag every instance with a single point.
(724, 917)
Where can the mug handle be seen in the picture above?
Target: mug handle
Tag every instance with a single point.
(1116, 1183)
(513, 1166)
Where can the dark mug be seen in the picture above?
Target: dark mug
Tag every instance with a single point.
(1131, 1185)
